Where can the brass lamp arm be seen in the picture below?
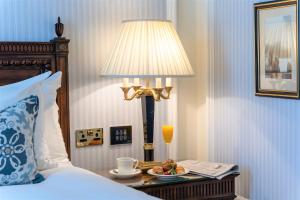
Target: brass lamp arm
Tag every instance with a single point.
(157, 93)
(168, 93)
(137, 93)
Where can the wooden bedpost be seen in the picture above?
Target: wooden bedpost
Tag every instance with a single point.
(61, 51)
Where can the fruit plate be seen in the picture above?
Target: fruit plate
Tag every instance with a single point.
(167, 177)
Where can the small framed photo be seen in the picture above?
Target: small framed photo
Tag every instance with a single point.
(276, 49)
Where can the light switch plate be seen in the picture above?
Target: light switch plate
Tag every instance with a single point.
(120, 135)
(89, 137)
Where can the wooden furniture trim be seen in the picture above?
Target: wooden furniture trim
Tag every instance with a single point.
(22, 60)
(197, 189)
(188, 188)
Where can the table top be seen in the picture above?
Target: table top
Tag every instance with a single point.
(146, 180)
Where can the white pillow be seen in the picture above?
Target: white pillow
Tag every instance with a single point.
(19, 91)
(19, 86)
(55, 154)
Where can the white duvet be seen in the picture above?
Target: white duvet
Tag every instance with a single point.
(71, 183)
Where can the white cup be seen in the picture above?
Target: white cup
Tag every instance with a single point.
(127, 165)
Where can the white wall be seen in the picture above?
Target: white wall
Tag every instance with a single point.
(92, 27)
(192, 24)
(260, 134)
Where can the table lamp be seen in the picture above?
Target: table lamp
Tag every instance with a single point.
(147, 49)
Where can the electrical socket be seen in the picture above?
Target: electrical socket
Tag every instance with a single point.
(89, 137)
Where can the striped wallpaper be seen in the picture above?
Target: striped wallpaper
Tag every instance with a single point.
(260, 134)
(92, 26)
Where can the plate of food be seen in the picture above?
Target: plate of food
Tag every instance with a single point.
(168, 170)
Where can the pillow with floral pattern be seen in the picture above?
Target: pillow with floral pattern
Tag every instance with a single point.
(17, 123)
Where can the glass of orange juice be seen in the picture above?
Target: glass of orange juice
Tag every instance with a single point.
(167, 132)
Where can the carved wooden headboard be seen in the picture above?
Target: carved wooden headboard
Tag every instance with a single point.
(22, 60)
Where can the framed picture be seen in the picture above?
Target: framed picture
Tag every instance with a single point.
(276, 49)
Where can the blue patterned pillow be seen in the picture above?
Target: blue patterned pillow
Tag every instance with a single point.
(17, 123)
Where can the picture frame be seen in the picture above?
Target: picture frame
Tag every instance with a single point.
(276, 49)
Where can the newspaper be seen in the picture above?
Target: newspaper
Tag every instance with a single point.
(209, 169)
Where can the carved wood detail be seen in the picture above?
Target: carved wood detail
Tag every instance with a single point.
(26, 48)
(24, 61)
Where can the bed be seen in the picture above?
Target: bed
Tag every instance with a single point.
(22, 60)
(71, 183)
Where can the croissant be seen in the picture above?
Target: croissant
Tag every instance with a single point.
(158, 170)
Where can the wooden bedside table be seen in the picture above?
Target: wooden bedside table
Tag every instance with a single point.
(185, 187)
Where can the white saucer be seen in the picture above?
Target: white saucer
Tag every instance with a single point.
(115, 174)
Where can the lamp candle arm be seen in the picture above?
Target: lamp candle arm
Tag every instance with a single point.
(139, 91)
(168, 92)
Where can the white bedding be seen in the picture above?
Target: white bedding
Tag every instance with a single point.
(71, 183)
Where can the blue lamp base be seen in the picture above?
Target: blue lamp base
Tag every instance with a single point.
(148, 106)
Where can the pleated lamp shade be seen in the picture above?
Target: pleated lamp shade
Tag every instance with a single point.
(148, 48)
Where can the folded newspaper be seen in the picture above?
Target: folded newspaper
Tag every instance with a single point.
(209, 169)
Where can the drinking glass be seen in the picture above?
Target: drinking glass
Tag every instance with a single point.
(167, 132)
